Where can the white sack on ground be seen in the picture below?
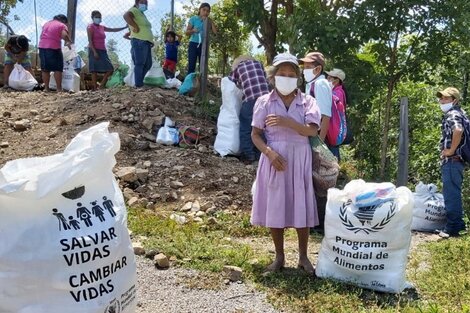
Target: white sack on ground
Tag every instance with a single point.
(65, 245)
(429, 212)
(367, 245)
(21, 79)
(70, 79)
(227, 140)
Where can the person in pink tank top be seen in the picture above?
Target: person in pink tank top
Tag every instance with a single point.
(98, 59)
(50, 49)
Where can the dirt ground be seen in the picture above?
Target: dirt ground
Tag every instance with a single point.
(38, 124)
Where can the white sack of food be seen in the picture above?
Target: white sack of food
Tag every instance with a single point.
(65, 245)
(429, 212)
(367, 235)
(227, 140)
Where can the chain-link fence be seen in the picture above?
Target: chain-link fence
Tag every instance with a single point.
(28, 17)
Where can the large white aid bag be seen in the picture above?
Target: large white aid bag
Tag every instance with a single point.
(65, 246)
(367, 235)
(227, 140)
(21, 79)
(429, 212)
(70, 79)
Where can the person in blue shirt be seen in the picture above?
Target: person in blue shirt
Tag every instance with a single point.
(171, 52)
(195, 29)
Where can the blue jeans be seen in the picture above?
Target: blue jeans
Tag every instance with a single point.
(452, 177)
(141, 51)
(247, 148)
(335, 151)
(194, 55)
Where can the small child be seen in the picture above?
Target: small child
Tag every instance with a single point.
(171, 52)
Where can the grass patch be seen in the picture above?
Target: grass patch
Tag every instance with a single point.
(439, 270)
(442, 275)
(195, 246)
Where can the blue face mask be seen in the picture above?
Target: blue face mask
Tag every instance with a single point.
(97, 20)
(142, 7)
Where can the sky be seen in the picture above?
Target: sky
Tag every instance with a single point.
(111, 10)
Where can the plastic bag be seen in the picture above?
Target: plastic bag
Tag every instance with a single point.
(70, 79)
(168, 134)
(129, 79)
(190, 85)
(227, 140)
(65, 244)
(21, 79)
(69, 53)
(325, 168)
(155, 76)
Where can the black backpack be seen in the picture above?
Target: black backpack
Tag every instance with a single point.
(464, 149)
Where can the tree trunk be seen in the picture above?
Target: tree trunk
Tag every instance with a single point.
(386, 128)
(465, 86)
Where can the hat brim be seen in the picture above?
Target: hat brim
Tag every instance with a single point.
(285, 61)
(440, 94)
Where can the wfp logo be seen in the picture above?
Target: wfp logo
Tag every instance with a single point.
(364, 219)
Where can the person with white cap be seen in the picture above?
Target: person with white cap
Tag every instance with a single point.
(318, 87)
(452, 165)
(336, 78)
(283, 196)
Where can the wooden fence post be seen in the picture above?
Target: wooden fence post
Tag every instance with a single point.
(72, 17)
(203, 64)
(403, 144)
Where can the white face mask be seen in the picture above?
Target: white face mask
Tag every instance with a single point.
(446, 106)
(285, 85)
(308, 74)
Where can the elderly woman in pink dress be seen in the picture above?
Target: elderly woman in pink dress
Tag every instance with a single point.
(284, 195)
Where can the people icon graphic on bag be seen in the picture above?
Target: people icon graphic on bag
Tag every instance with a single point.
(61, 218)
(108, 205)
(97, 211)
(84, 214)
(74, 223)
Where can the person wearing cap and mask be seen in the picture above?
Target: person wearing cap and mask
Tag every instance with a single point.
(248, 74)
(195, 29)
(141, 40)
(98, 59)
(318, 87)
(283, 195)
(50, 50)
(335, 79)
(452, 166)
(16, 52)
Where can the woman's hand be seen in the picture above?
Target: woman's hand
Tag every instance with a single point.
(96, 55)
(277, 161)
(277, 120)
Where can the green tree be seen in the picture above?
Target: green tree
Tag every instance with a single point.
(262, 17)
(404, 36)
(5, 8)
(111, 47)
(231, 39)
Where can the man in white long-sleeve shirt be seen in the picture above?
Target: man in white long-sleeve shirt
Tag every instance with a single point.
(318, 87)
